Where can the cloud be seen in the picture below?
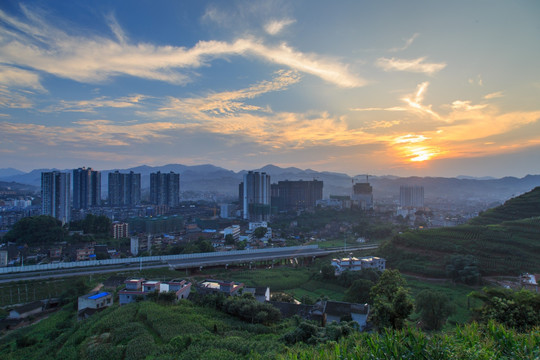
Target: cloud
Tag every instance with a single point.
(476, 81)
(274, 27)
(13, 99)
(224, 103)
(413, 65)
(408, 42)
(97, 103)
(466, 105)
(86, 133)
(18, 78)
(93, 59)
(494, 95)
(415, 103)
(393, 108)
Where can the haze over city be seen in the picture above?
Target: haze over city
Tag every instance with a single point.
(403, 88)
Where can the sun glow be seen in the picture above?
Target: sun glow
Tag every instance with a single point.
(419, 154)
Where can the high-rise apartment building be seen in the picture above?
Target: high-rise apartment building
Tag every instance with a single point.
(296, 195)
(256, 196)
(86, 188)
(124, 189)
(165, 189)
(362, 195)
(55, 195)
(411, 196)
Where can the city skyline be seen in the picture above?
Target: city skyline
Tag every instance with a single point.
(407, 89)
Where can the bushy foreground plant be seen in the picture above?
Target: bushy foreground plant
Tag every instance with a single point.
(470, 342)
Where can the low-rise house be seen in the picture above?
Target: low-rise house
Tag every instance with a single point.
(529, 281)
(211, 286)
(140, 289)
(93, 302)
(355, 264)
(26, 310)
(261, 294)
(85, 254)
(338, 311)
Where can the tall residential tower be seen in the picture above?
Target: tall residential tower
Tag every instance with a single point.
(411, 196)
(55, 195)
(124, 189)
(256, 196)
(86, 188)
(165, 189)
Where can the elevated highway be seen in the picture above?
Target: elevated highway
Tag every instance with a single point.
(178, 262)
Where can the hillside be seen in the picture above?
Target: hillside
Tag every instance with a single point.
(141, 330)
(147, 330)
(504, 240)
(521, 207)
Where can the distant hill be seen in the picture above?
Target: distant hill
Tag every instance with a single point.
(505, 241)
(10, 172)
(6, 186)
(208, 178)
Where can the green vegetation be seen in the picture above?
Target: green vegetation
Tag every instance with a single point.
(457, 294)
(36, 230)
(434, 308)
(503, 240)
(469, 342)
(392, 304)
(239, 328)
(521, 207)
(308, 332)
(139, 330)
(93, 224)
(517, 309)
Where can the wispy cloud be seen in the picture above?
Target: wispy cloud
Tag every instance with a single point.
(416, 103)
(494, 95)
(393, 108)
(274, 27)
(408, 42)
(413, 65)
(10, 98)
(97, 103)
(43, 47)
(476, 81)
(224, 103)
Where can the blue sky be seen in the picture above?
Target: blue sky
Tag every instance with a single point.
(388, 87)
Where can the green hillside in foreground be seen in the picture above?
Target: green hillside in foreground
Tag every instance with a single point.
(148, 330)
(504, 241)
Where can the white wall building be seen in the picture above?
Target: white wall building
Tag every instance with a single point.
(355, 264)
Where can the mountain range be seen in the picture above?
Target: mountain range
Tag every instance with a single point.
(217, 180)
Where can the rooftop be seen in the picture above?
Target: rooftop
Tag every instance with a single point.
(98, 296)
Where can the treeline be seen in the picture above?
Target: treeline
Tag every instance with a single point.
(244, 307)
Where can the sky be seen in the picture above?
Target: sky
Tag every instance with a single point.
(424, 88)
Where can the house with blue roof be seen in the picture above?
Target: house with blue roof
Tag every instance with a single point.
(93, 302)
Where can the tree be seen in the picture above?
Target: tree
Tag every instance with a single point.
(463, 268)
(259, 232)
(282, 297)
(434, 308)
(359, 291)
(328, 272)
(392, 304)
(229, 239)
(36, 230)
(516, 309)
